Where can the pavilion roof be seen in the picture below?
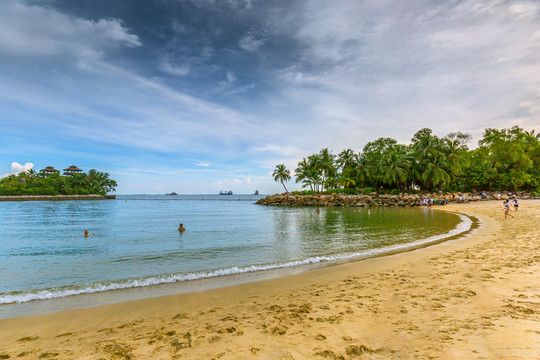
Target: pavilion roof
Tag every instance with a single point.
(49, 169)
(72, 168)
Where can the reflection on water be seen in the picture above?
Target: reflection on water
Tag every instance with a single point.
(42, 247)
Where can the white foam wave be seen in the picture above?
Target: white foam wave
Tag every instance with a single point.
(53, 293)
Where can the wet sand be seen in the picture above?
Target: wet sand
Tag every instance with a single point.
(476, 297)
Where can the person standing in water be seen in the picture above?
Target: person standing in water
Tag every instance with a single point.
(181, 228)
(86, 233)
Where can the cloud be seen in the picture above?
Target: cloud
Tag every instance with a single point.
(167, 65)
(42, 31)
(366, 70)
(251, 43)
(202, 164)
(17, 168)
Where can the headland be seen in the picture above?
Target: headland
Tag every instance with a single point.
(376, 199)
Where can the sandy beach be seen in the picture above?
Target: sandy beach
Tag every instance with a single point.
(475, 297)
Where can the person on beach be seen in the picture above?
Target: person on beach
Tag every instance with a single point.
(506, 208)
(516, 204)
(86, 233)
(181, 228)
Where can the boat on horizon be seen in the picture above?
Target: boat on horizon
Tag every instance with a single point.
(173, 193)
(256, 192)
(225, 192)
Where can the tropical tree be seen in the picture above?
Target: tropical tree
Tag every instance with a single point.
(396, 165)
(372, 155)
(282, 174)
(347, 182)
(306, 173)
(505, 159)
(327, 168)
(345, 159)
(454, 146)
(30, 183)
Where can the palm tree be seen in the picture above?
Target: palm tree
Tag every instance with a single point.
(316, 171)
(345, 159)
(396, 166)
(435, 175)
(347, 182)
(454, 147)
(305, 174)
(281, 174)
(327, 167)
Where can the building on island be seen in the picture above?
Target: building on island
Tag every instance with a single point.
(49, 170)
(72, 170)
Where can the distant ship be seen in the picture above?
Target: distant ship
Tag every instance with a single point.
(173, 193)
(256, 192)
(229, 192)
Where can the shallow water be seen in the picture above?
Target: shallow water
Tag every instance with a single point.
(135, 243)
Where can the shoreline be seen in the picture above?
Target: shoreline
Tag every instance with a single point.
(474, 297)
(52, 300)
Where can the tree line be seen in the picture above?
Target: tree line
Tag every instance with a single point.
(507, 159)
(39, 183)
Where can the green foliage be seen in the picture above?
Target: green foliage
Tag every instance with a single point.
(395, 191)
(32, 183)
(282, 174)
(507, 159)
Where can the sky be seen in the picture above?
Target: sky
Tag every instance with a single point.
(207, 95)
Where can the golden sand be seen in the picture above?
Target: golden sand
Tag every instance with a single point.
(476, 297)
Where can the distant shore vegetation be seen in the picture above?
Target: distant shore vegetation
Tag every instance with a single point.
(507, 159)
(41, 183)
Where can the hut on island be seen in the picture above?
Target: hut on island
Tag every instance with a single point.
(72, 170)
(49, 170)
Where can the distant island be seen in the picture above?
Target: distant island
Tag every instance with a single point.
(49, 181)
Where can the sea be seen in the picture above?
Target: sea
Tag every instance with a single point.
(134, 249)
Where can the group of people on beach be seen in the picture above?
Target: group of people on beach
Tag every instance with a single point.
(506, 206)
(432, 201)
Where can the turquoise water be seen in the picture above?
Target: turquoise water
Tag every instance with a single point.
(134, 240)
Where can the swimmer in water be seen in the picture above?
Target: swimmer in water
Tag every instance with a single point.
(318, 211)
(181, 228)
(86, 233)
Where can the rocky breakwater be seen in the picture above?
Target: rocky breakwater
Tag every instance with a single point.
(54, 197)
(374, 199)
